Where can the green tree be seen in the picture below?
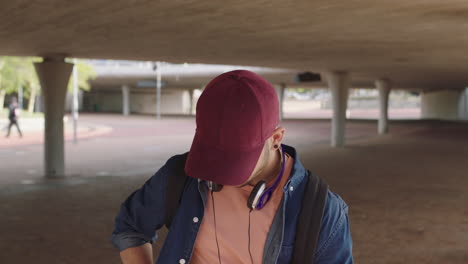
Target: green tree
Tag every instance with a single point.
(13, 75)
(85, 74)
(2, 91)
(29, 80)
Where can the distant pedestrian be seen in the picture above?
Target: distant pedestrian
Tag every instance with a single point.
(13, 116)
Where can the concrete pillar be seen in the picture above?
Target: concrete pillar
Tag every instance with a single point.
(280, 90)
(383, 86)
(39, 103)
(339, 85)
(125, 100)
(158, 89)
(191, 92)
(54, 74)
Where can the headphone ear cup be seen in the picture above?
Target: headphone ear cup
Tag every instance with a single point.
(217, 187)
(214, 187)
(255, 195)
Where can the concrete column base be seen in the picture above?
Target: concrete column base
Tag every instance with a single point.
(191, 97)
(125, 100)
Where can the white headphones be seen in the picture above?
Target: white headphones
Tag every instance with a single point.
(260, 194)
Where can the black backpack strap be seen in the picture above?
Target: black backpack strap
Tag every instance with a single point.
(175, 188)
(310, 220)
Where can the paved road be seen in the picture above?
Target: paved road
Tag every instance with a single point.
(136, 145)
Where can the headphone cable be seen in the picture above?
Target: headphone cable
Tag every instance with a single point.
(250, 252)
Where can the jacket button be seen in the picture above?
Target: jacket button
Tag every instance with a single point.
(291, 188)
(195, 219)
(182, 261)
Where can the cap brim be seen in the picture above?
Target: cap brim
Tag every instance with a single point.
(219, 166)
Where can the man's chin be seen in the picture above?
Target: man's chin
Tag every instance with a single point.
(251, 181)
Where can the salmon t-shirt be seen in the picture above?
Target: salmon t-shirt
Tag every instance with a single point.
(232, 225)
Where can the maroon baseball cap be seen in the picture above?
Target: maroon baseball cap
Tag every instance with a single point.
(236, 113)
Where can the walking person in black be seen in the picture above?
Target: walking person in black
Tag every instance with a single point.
(13, 116)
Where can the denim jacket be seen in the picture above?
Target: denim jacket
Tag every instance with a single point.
(143, 213)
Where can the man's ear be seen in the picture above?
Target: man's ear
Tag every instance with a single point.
(278, 135)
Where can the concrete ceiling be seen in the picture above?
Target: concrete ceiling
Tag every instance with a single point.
(416, 44)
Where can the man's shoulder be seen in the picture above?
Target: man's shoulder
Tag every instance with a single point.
(176, 161)
(334, 222)
(174, 164)
(335, 206)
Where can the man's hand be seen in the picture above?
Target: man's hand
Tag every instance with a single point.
(138, 255)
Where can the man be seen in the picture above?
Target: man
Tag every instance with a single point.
(243, 192)
(13, 115)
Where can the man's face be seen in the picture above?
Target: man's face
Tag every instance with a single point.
(267, 154)
(261, 163)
